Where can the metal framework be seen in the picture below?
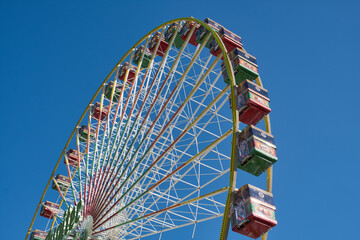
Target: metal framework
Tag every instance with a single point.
(160, 159)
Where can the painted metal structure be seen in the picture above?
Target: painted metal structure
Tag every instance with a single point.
(171, 104)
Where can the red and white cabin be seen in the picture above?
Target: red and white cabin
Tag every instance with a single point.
(96, 113)
(49, 209)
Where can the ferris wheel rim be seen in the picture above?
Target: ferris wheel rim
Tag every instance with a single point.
(235, 119)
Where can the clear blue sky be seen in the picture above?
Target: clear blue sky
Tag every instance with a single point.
(54, 55)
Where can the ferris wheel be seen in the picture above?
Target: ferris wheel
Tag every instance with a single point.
(158, 146)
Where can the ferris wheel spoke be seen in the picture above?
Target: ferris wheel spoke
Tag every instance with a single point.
(132, 157)
(71, 178)
(174, 66)
(105, 127)
(78, 164)
(116, 183)
(173, 228)
(199, 127)
(72, 189)
(118, 189)
(145, 78)
(102, 168)
(154, 214)
(121, 114)
(117, 160)
(156, 225)
(98, 125)
(158, 115)
(92, 183)
(173, 143)
(134, 84)
(210, 119)
(138, 92)
(86, 164)
(184, 152)
(179, 178)
(186, 173)
(61, 194)
(162, 193)
(122, 109)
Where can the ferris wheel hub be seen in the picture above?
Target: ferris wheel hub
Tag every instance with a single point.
(86, 227)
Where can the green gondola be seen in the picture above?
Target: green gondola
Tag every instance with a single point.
(38, 235)
(146, 59)
(83, 133)
(108, 91)
(202, 32)
(178, 41)
(245, 66)
(256, 150)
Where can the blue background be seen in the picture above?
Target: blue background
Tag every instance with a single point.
(55, 54)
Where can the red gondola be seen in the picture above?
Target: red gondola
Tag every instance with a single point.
(185, 30)
(253, 211)
(230, 39)
(162, 46)
(72, 156)
(122, 72)
(62, 181)
(96, 111)
(252, 102)
(49, 209)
